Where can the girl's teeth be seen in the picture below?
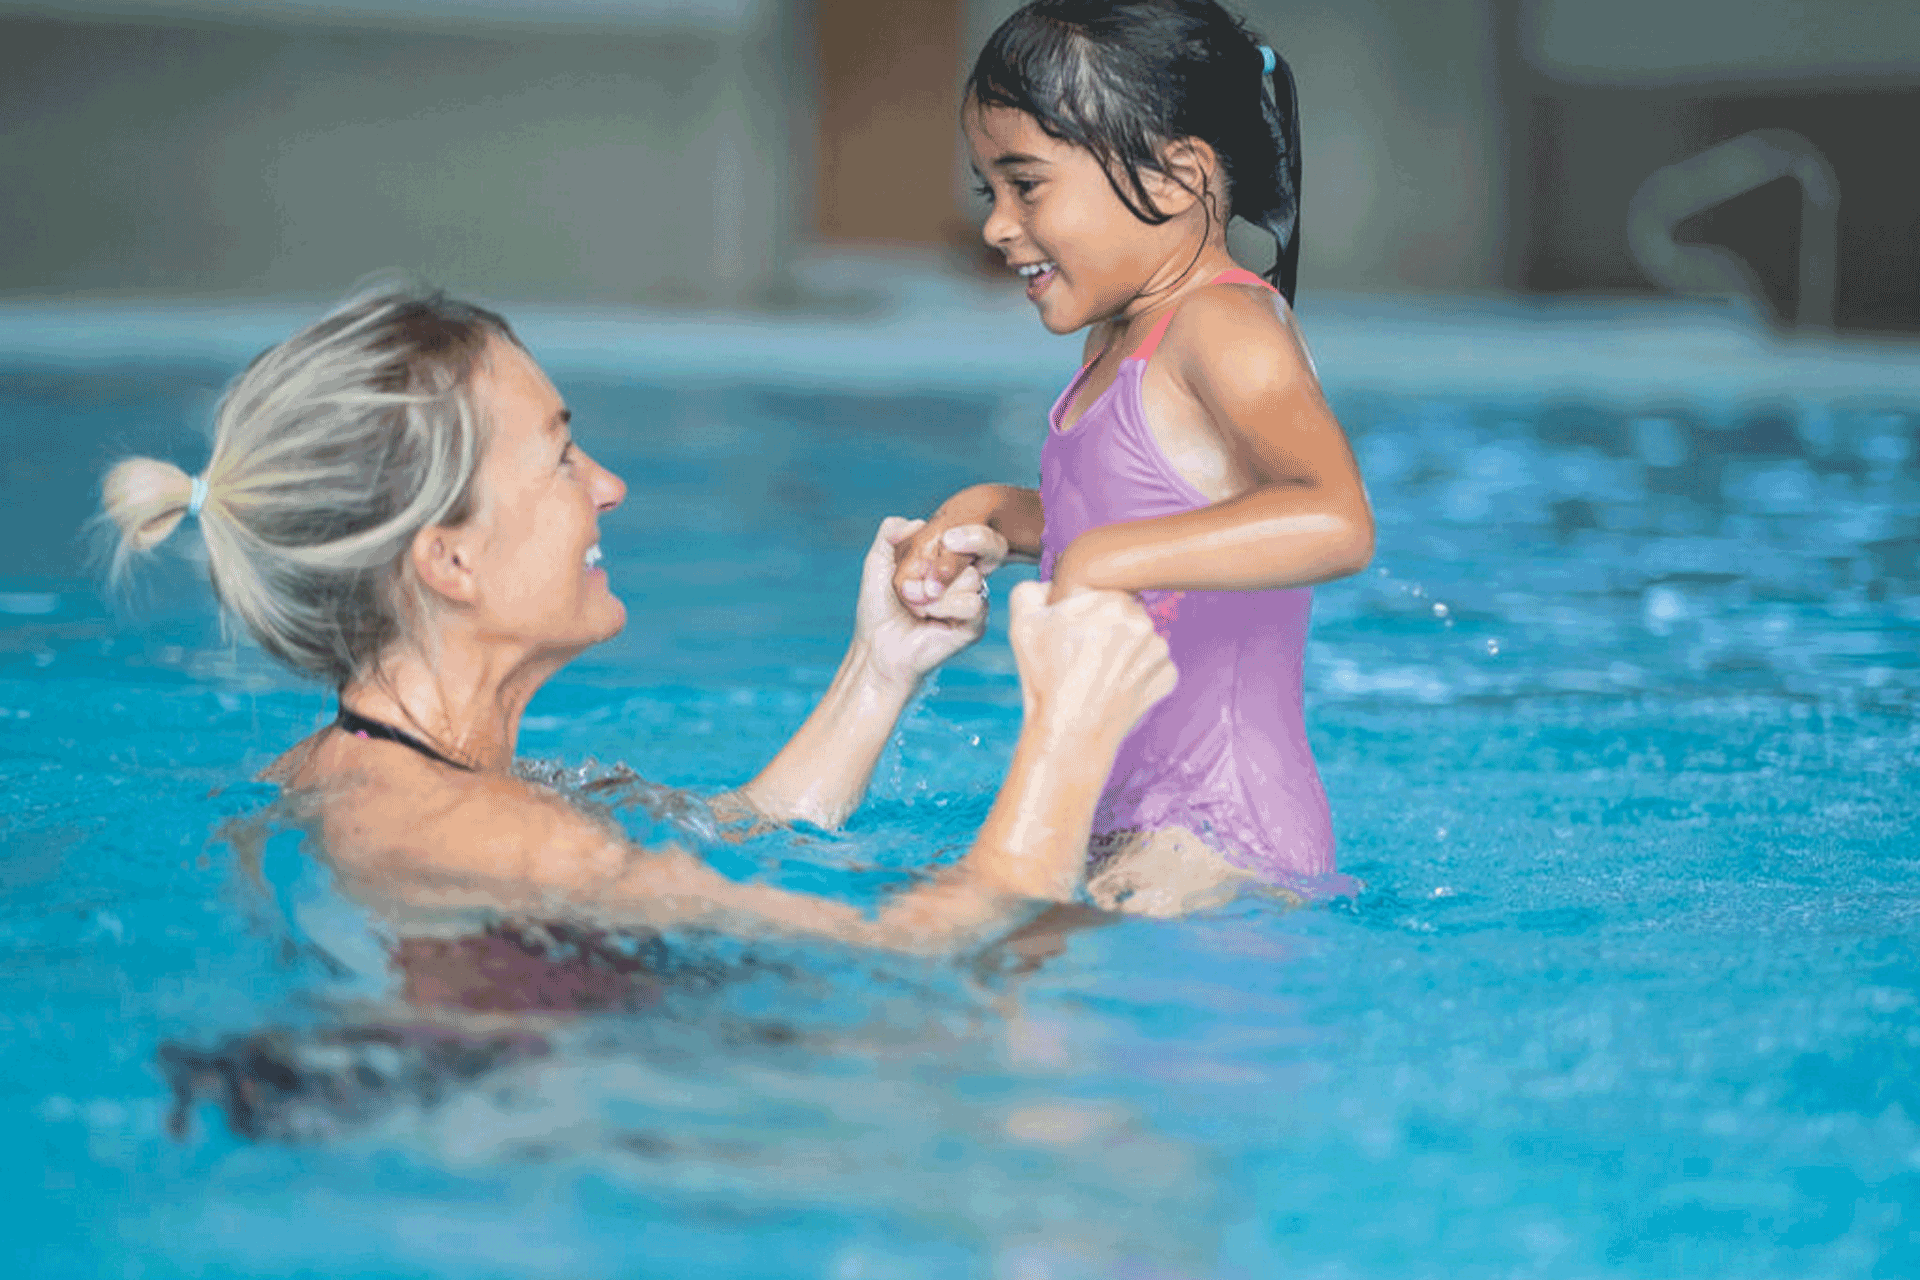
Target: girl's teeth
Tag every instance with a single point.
(1036, 269)
(593, 556)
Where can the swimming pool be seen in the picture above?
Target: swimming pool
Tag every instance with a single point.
(1619, 732)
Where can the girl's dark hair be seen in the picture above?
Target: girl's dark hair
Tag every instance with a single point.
(1123, 78)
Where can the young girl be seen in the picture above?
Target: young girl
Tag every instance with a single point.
(1193, 460)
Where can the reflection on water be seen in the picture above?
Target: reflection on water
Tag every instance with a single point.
(1619, 733)
(1571, 549)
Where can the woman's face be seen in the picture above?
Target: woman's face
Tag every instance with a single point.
(532, 547)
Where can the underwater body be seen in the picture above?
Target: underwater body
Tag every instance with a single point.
(1618, 731)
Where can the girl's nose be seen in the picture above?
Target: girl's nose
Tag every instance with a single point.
(999, 229)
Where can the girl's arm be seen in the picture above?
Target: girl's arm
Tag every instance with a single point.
(981, 525)
(1305, 518)
(1008, 510)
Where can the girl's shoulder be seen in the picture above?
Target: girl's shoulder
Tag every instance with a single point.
(1234, 331)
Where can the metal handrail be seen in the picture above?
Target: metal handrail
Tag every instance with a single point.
(1675, 193)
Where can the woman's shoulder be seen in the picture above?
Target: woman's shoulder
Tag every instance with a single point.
(382, 808)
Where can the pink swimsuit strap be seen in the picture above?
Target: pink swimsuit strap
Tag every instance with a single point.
(1235, 275)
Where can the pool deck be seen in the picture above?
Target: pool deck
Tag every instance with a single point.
(888, 324)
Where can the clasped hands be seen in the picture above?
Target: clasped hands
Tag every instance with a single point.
(1083, 653)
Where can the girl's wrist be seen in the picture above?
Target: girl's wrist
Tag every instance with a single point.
(975, 504)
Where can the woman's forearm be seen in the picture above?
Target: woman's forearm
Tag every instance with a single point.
(1034, 841)
(822, 773)
(1032, 849)
(1090, 666)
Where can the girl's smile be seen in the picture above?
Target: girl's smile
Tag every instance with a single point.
(1038, 276)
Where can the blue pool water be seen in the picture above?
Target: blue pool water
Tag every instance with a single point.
(1619, 732)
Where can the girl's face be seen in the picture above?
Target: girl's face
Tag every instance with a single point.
(533, 544)
(1084, 255)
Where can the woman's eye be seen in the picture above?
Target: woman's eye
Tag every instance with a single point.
(1024, 188)
(982, 190)
(566, 454)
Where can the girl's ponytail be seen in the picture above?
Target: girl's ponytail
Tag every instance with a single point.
(1281, 212)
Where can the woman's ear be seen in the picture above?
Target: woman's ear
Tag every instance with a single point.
(1189, 170)
(443, 563)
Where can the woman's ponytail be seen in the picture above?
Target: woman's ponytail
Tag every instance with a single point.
(145, 500)
(330, 454)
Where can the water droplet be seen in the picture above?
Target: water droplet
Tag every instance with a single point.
(1493, 648)
(1440, 610)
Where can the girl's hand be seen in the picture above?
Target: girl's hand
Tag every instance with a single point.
(936, 555)
(906, 645)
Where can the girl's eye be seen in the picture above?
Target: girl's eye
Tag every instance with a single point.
(566, 455)
(1022, 187)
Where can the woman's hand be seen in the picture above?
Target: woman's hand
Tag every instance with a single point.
(982, 525)
(1090, 663)
(904, 644)
(1090, 667)
(935, 555)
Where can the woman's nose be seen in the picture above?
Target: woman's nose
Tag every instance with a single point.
(608, 489)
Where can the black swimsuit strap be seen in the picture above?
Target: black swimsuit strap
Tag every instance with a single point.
(355, 723)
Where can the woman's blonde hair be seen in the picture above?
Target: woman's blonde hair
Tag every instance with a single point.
(330, 453)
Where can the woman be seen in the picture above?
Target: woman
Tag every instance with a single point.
(395, 505)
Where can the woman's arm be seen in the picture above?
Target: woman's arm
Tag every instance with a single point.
(1090, 666)
(1304, 520)
(821, 774)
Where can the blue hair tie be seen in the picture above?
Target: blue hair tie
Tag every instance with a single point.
(198, 498)
(1267, 61)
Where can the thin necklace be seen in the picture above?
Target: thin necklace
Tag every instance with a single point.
(367, 727)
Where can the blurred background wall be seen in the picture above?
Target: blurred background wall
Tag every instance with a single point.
(1601, 96)
(703, 151)
(568, 149)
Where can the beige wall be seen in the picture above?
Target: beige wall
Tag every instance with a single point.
(618, 161)
(1694, 42)
(652, 150)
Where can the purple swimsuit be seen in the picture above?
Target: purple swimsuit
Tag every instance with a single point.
(1225, 755)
